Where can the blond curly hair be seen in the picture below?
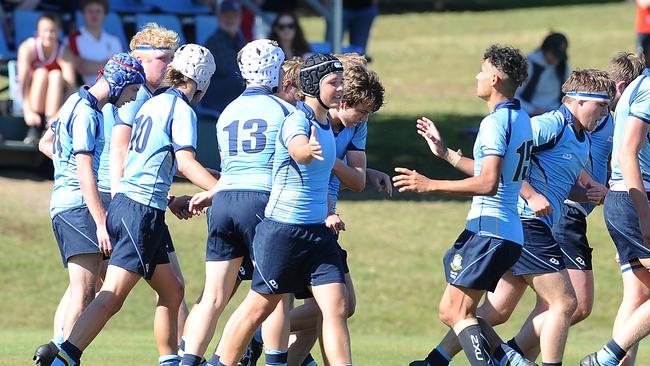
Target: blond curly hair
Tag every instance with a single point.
(154, 35)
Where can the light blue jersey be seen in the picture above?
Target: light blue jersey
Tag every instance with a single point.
(505, 133)
(634, 102)
(164, 124)
(347, 139)
(600, 148)
(246, 133)
(560, 153)
(299, 192)
(78, 130)
(124, 115)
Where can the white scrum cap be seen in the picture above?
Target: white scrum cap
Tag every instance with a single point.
(197, 63)
(260, 62)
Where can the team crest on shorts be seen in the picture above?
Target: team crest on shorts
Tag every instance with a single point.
(456, 263)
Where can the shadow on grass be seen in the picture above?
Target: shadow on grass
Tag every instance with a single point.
(394, 142)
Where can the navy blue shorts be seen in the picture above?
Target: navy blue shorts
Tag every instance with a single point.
(478, 262)
(622, 222)
(232, 219)
(137, 232)
(75, 232)
(290, 257)
(540, 253)
(167, 240)
(306, 292)
(106, 198)
(571, 233)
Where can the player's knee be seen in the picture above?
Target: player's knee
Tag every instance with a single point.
(494, 316)
(566, 305)
(583, 310)
(447, 317)
(110, 303)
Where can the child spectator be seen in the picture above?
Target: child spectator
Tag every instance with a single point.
(91, 45)
(42, 75)
(547, 71)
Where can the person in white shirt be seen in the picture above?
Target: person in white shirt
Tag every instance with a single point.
(91, 45)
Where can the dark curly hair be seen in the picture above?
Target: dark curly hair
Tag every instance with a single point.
(509, 61)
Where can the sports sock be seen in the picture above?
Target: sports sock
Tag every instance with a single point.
(181, 347)
(275, 357)
(513, 344)
(169, 360)
(438, 356)
(309, 361)
(71, 350)
(506, 356)
(257, 337)
(475, 345)
(214, 361)
(58, 338)
(551, 363)
(611, 354)
(190, 360)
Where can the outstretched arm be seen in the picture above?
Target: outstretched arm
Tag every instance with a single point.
(484, 184)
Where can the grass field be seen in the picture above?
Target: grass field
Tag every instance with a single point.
(428, 63)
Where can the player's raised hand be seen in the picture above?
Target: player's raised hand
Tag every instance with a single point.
(315, 149)
(427, 129)
(412, 181)
(335, 223)
(200, 201)
(539, 205)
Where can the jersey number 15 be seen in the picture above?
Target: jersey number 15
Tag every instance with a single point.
(525, 152)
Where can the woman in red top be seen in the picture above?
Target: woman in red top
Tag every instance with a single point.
(42, 75)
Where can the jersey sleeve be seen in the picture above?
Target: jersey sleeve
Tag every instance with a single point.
(295, 124)
(640, 107)
(125, 115)
(84, 130)
(183, 128)
(358, 142)
(545, 130)
(492, 137)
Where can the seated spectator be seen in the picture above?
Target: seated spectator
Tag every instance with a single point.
(287, 32)
(91, 46)
(42, 75)
(547, 71)
(270, 10)
(224, 45)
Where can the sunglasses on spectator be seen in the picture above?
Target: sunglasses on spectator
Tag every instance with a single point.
(286, 26)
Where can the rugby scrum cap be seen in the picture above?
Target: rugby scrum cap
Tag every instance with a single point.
(195, 62)
(315, 68)
(260, 62)
(121, 71)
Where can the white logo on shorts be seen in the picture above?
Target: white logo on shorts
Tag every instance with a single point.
(242, 271)
(554, 261)
(580, 260)
(273, 284)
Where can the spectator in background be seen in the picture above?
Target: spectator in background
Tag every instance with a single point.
(91, 46)
(224, 45)
(270, 11)
(642, 24)
(42, 75)
(358, 16)
(287, 32)
(547, 70)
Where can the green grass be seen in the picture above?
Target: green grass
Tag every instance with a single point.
(428, 63)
